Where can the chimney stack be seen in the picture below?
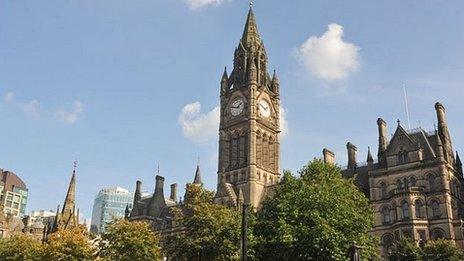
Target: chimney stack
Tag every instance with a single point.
(383, 139)
(159, 185)
(173, 196)
(351, 156)
(444, 132)
(329, 156)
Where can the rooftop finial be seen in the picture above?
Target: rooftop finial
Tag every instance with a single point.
(251, 4)
(75, 165)
(158, 170)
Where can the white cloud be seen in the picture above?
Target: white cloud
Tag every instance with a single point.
(70, 117)
(199, 127)
(283, 122)
(329, 57)
(9, 97)
(31, 108)
(199, 4)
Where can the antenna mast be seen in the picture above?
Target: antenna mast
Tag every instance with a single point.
(406, 104)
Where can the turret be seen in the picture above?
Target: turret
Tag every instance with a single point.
(351, 149)
(458, 164)
(444, 132)
(224, 82)
(370, 159)
(383, 141)
(275, 84)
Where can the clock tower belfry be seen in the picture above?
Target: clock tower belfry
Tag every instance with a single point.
(249, 148)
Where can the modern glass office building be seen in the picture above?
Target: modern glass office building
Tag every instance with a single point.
(110, 204)
(13, 193)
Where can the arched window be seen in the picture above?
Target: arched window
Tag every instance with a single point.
(387, 240)
(418, 209)
(400, 157)
(405, 210)
(435, 209)
(386, 219)
(399, 184)
(437, 234)
(406, 183)
(432, 182)
(383, 190)
(412, 181)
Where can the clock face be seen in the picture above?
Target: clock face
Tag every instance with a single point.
(237, 107)
(264, 108)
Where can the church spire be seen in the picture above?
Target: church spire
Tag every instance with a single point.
(197, 179)
(250, 34)
(69, 202)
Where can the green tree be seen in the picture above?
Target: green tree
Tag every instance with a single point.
(442, 250)
(21, 247)
(405, 250)
(316, 216)
(70, 244)
(127, 241)
(207, 231)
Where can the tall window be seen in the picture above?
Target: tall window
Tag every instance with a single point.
(412, 181)
(418, 209)
(435, 209)
(405, 209)
(432, 182)
(386, 215)
(402, 156)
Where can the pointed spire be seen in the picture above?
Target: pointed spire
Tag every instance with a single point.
(197, 179)
(225, 76)
(250, 33)
(127, 212)
(275, 83)
(370, 159)
(69, 202)
(458, 160)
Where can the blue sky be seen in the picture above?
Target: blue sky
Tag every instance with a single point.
(126, 85)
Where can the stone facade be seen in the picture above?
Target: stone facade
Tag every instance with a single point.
(156, 208)
(416, 185)
(249, 147)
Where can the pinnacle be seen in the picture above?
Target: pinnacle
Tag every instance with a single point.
(250, 33)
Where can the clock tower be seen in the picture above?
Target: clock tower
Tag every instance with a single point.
(249, 145)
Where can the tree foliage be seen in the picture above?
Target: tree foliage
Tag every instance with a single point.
(316, 216)
(127, 241)
(207, 231)
(21, 247)
(69, 244)
(442, 250)
(438, 250)
(405, 250)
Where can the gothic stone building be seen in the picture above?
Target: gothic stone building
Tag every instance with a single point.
(156, 208)
(248, 137)
(249, 124)
(415, 187)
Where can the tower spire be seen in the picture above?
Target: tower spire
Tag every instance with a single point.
(197, 179)
(69, 202)
(250, 33)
